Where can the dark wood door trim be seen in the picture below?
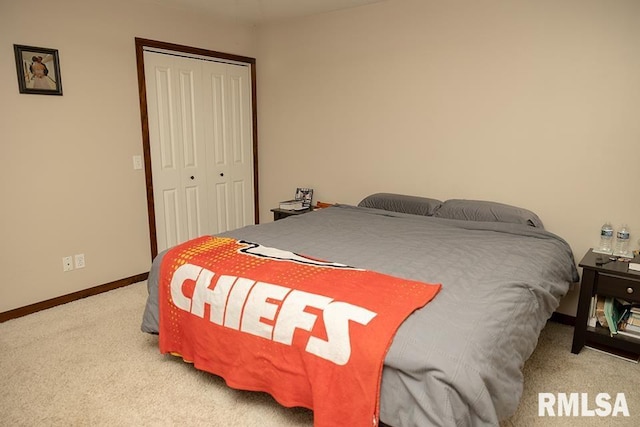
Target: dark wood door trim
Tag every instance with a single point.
(146, 147)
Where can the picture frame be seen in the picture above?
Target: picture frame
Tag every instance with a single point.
(38, 70)
(306, 195)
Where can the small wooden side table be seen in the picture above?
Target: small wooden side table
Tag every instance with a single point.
(283, 213)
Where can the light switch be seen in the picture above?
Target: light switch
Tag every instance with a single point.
(137, 162)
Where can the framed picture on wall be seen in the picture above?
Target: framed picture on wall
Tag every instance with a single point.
(38, 70)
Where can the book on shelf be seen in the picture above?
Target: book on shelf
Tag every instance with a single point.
(630, 328)
(599, 311)
(634, 335)
(614, 314)
(593, 320)
(292, 205)
(633, 319)
(623, 316)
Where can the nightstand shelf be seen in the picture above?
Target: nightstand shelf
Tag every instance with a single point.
(608, 279)
(599, 335)
(283, 213)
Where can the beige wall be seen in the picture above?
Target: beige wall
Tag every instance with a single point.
(67, 179)
(532, 103)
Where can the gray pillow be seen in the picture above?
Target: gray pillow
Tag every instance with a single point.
(480, 210)
(401, 203)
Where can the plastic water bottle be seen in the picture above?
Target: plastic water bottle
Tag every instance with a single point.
(622, 241)
(606, 238)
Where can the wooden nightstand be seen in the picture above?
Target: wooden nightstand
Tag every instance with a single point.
(608, 279)
(283, 213)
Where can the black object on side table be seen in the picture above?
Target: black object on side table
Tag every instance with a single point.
(603, 277)
(283, 213)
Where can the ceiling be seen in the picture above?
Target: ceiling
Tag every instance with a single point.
(263, 11)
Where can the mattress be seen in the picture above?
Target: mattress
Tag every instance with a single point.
(458, 360)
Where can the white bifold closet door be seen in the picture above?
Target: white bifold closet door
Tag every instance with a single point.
(201, 141)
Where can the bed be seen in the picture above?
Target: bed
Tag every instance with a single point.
(459, 359)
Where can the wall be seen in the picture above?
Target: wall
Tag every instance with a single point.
(67, 183)
(532, 103)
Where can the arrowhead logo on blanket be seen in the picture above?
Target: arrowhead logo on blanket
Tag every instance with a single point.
(280, 255)
(295, 327)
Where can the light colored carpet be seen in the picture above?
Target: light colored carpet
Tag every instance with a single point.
(88, 364)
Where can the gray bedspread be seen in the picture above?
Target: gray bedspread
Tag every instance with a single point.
(457, 361)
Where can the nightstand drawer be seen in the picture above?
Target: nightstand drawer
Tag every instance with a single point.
(621, 287)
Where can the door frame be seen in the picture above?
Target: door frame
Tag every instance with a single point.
(141, 44)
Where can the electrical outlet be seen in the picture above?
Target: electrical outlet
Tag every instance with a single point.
(79, 258)
(67, 263)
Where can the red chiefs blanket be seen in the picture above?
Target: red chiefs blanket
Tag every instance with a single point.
(310, 333)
